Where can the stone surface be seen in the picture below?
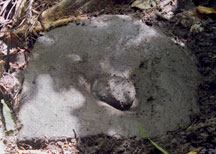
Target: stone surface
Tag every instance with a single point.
(69, 66)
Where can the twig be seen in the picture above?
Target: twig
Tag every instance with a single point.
(4, 6)
(9, 43)
(75, 136)
(11, 9)
(29, 17)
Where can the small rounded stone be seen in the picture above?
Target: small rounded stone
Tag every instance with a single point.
(116, 91)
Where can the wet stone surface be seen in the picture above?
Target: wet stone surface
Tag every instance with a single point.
(106, 76)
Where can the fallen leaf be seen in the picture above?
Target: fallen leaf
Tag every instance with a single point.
(205, 10)
(195, 151)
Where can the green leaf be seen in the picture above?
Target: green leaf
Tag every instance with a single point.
(9, 122)
(152, 142)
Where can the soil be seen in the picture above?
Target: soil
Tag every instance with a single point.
(201, 133)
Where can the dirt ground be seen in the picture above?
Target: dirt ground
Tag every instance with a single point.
(201, 134)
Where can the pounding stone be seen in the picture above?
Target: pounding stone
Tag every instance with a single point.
(152, 81)
(116, 91)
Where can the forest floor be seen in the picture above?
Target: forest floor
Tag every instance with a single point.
(201, 135)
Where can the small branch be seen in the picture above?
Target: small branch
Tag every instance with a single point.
(11, 9)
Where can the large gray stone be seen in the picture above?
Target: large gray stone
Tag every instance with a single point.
(63, 84)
